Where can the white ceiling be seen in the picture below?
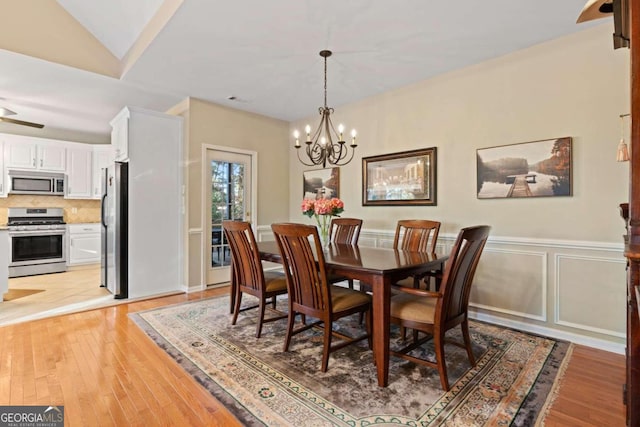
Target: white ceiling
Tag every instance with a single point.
(265, 53)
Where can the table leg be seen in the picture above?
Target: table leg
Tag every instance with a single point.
(381, 296)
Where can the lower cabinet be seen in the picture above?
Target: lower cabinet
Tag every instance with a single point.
(84, 244)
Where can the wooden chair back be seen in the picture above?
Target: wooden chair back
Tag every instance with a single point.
(304, 266)
(458, 275)
(416, 235)
(245, 257)
(345, 230)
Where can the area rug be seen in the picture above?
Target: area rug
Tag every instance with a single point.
(14, 294)
(511, 384)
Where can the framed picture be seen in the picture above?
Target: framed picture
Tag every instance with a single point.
(406, 178)
(528, 169)
(321, 183)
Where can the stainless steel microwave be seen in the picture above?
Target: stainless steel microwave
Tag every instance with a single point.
(42, 183)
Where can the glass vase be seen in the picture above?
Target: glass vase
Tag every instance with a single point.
(324, 221)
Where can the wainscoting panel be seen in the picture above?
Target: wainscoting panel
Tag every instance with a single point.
(511, 282)
(590, 293)
(195, 279)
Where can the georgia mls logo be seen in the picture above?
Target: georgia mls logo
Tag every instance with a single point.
(31, 416)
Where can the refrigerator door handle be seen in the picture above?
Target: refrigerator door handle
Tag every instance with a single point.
(102, 210)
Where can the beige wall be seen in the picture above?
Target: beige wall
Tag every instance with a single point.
(575, 86)
(53, 35)
(553, 265)
(207, 123)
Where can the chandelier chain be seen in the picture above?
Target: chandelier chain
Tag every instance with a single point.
(325, 82)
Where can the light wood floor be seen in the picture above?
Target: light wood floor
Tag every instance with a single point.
(58, 293)
(106, 371)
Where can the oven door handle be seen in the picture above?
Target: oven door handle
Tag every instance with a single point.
(36, 233)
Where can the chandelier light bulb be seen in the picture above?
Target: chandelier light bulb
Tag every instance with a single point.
(340, 130)
(323, 141)
(296, 135)
(307, 129)
(353, 137)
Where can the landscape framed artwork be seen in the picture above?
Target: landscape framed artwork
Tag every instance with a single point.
(405, 178)
(528, 169)
(321, 183)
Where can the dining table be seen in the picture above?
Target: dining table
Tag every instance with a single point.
(379, 268)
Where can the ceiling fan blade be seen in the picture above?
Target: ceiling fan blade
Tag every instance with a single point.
(20, 122)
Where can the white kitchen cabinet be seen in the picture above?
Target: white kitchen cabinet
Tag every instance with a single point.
(120, 135)
(79, 173)
(27, 153)
(84, 244)
(103, 156)
(21, 155)
(51, 157)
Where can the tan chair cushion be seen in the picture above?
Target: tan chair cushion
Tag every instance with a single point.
(345, 298)
(275, 281)
(416, 308)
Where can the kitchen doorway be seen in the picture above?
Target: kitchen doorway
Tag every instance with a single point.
(229, 183)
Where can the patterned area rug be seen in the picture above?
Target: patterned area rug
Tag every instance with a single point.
(512, 383)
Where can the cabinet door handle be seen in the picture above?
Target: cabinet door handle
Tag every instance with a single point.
(40, 162)
(34, 162)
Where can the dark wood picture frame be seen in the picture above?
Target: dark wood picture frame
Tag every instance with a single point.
(397, 179)
(527, 169)
(321, 183)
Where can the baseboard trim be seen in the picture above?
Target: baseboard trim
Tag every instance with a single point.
(551, 333)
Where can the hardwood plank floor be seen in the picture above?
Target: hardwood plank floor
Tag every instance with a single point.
(105, 371)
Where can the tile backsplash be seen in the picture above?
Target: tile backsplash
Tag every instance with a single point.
(75, 211)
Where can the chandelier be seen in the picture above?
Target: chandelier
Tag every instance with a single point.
(326, 145)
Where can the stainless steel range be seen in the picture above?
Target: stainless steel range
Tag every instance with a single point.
(36, 241)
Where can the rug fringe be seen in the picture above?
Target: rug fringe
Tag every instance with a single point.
(555, 389)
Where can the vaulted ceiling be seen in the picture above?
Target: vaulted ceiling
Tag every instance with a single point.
(73, 64)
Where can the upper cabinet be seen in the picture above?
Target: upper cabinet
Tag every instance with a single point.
(81, 163)
(103, 156)
(25, 153)
(120, 135)
(79, 173)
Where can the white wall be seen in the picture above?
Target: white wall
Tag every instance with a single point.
(554, 265)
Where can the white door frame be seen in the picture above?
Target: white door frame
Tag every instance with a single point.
(206, 246)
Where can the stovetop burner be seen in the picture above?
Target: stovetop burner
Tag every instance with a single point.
(35, 218)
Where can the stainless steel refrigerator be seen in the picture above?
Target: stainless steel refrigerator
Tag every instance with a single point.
(115, 230)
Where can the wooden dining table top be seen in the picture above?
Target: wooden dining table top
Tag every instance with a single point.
(364, 258)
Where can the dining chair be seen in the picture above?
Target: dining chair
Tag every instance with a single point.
(434, 313)
(417, 235)
(248, 274)
(345, 231)
(310, 294)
